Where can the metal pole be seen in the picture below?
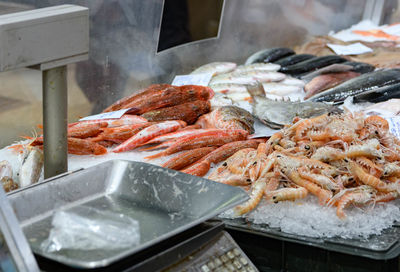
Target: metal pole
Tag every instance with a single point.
(55, 104)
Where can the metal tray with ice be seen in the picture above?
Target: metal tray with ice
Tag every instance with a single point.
(378, 247)
(164, 202)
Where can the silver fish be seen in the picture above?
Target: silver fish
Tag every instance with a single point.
(216, 68)
(258, 66)
(31, 167)
(280, 89)
(228, 88)
(248, 77)
(276, 114)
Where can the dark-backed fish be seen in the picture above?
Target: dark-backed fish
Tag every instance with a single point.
(360, 67)
(269, 55)
(333, 68)
(311, 65)
(379, 95)
(276, 114)
(293, 59)
(363, 83)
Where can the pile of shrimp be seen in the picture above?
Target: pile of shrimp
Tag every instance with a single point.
(341, 159)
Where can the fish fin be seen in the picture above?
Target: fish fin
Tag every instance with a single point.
(255, 89)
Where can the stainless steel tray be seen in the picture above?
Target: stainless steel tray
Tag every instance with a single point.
(164, 202)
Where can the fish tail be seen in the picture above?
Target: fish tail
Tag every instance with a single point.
(255, 89)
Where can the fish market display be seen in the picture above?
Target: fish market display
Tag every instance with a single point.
(276, 114)
(378, 95)
(342, 160)
(293, 59)
(326, 81)
(311, 65)
(269, 55)
(365, 82)
(215, 68)
(228, 117)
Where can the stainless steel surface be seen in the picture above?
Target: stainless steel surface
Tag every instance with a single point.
(374, 10)
(164, 201)
(55, 107)
(15, 240)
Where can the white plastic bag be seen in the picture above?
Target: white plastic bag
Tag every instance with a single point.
(87, 228)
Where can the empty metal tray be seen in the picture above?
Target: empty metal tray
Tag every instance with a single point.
(163, 201)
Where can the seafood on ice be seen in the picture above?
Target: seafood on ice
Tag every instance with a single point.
(343, 160)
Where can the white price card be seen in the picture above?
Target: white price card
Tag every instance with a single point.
(394, 125)
(106, 115)
(195, 79)
(351, 49)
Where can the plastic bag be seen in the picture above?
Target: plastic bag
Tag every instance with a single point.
(87, 228)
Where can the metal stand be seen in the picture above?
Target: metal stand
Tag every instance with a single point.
(55, 109)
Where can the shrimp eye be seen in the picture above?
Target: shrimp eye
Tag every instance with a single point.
(385, 173)
(379, 158)
(351, 179)
(225, 164)
(255, 163)
(278, 156)
(346, 160)
(274, 197)
(376, 132)
(307, 147)
(248, 180)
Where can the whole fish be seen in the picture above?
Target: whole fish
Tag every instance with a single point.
(360, 67)
(188, 112)
(228, 117)
(228, 87)
(276, 114)
(333, 68)
(365, 82)
(311, 65)
(31, 167)
(326, 81)
(164, 96)
(248, 77)
(293, 81)
(293, 59)
(280, 89)
(215, 68)
(269, 55)
(379, 95)
(258, 66)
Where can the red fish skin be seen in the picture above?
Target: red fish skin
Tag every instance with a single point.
(188, 112)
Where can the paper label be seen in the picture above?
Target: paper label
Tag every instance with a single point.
(394, 125)
(351, 49)
(106, 115)
(195, 79)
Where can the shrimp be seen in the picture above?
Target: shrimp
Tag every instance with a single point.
(370, 180)
(322, 180)
(306, 124)
(288, 194)
(362, 196)
(323, 195)
(257, 191)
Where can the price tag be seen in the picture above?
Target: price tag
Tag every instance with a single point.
(394, 125)
(351, 49)
(195, 79)
(106, 115)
